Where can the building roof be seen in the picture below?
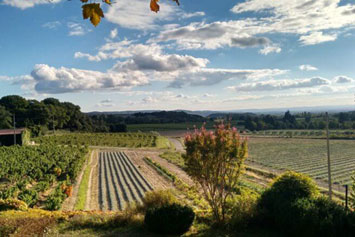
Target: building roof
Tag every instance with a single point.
(4, 132)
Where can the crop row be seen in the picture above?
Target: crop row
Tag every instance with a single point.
(28, 171)
(104, 139)
(120, 182)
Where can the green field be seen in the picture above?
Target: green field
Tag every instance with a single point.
(306, 133)
(308, 156)
(166, 126)
(130, 140)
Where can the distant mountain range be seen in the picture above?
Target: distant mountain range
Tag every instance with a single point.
(205, 113)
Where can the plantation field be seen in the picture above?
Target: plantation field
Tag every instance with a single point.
(28, 172)
(120, 182)
(132, 140)
(166, 126)
(307, 156)
(333, 134)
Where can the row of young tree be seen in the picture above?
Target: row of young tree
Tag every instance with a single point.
(49, 113)
(306, 120)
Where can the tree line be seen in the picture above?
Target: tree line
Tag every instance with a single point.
(304, 120)
(48, 114)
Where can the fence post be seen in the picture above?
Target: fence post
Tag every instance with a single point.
(346, 196)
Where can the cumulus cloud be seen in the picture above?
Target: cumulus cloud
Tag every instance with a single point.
(316, 38)
(23, 4)
(212, 36)
(186, 15)
(52, 80)
(144, 57)
(270, 49)
(304, 18)
(113, 33)
(273, 85)
(243, 42)
(343, 79)
(213, 76)
(180, 70)
(307, 67)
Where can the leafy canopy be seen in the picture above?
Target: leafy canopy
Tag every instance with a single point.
(94, 12)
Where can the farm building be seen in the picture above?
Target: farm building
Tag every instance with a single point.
(7, 136)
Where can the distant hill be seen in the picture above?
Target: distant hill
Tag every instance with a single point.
(275, 111)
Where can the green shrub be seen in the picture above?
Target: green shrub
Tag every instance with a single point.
(318, 217)
(159, 198)
(12, 204)
(284, 191)
(29, 196)
(241, 209)
(169, 220)
(54, 202)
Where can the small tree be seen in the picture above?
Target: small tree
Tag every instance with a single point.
(215, 160)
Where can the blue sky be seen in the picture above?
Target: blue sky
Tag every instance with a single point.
(202, 55)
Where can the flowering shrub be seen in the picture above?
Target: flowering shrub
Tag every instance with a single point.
(215, 160)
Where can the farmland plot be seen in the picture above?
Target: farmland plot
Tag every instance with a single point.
(307, 156)
(120, 182)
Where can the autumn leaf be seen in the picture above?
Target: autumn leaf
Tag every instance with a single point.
(177, 2)
(154, 6)
(107, 1)
(94, 12)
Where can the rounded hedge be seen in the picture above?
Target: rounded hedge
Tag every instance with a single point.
(284, 191)
(170, 219)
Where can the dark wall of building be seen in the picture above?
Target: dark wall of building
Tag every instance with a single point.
(8, 140)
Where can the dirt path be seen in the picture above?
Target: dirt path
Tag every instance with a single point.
(156, 180)
(92, 201)
(170, 167)
(178, 146)
(69, 203)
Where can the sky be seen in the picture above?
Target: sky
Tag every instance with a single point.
(201, 55)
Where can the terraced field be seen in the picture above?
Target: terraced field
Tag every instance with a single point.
(307, 156)
(120, 182)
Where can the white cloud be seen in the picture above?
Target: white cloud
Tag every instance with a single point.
(186, 15)
(308, 19)
(343, 79)
(213, 76)
(270, 49)
(212, 36)
(23, 4)
(316, 38)
(52, 80)
(272, 85)
(76, 29)
(113, 33)
(307, 67)
(179, 70)
(105, 103)
(52, 25)
(135, 14)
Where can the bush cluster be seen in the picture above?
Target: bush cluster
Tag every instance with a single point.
(293, 204)
(171, 219)
(12, 204)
